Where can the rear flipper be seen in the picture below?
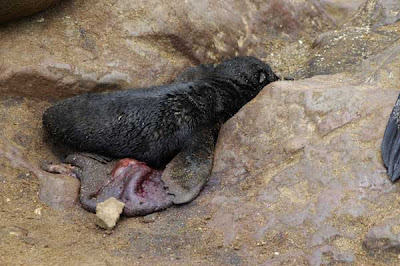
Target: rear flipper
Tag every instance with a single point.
(188, 172)
(391, 143)
(69, 169)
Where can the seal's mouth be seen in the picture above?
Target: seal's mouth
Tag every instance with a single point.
(288, 78)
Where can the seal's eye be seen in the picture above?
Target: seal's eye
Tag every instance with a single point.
(262, 77)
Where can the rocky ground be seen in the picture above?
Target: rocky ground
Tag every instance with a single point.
(298, 177)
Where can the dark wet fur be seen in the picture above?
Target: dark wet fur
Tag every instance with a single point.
(154, 124)
(391, 143)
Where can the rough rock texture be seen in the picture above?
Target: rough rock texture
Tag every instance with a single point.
(80, 46)
(108, 212)
(59, 191)
(93, 45)
(374, 13)
(369, 32)
(383, 68)
(14, 9)
(340, 11)
(383, 238)
(304, 172)
(343, 50)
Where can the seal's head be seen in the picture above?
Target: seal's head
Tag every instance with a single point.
(248, 71)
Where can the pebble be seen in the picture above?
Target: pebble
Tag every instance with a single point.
(108, 212)
(149, 218)
(38, 211)
(59, 191)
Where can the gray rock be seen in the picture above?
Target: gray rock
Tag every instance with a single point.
(59, 191)
(108, 212)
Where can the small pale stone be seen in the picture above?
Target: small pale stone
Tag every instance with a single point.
(15, 234)
(108, 213)
(38, 211)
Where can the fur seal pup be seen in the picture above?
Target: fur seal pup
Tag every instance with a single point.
(391, 143)
(171, 127)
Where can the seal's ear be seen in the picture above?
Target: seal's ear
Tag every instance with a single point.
(262, 77)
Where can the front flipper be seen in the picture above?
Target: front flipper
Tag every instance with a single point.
(188, 172)
(391, 143)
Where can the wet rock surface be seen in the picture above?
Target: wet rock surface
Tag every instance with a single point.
(298, 177)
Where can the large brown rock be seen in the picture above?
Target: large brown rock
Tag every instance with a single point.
(93, 45)
(302, 173)
(14, 9)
